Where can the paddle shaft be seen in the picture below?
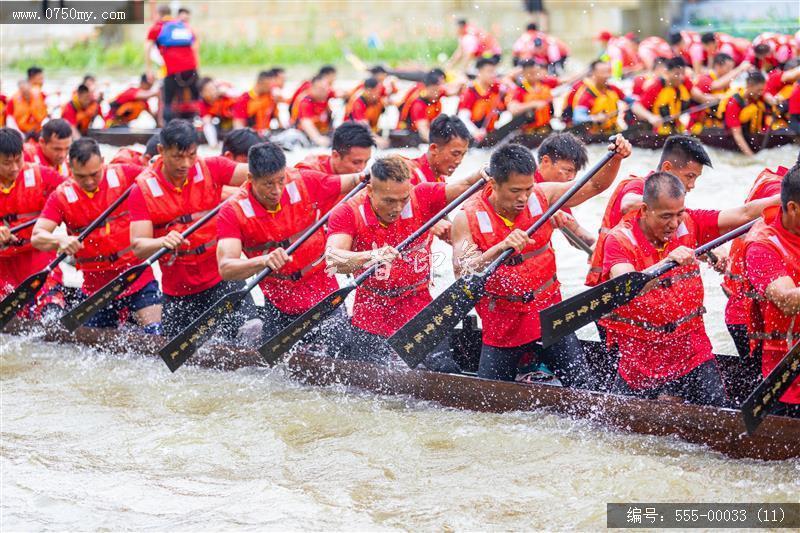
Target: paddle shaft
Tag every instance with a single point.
(695, 109)
(558, 204)
(576, 241)
(425, 227)
(24, 225)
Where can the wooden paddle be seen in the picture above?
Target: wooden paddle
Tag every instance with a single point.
(589, 306)
(185, 343)
(24, 225)
(285, 339)
(420, 335)
(756, 407)
(28, 289)
(576, 241)
(695, 109)
(104, 296)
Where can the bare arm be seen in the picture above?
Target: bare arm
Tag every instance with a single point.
(233, 267)
(457, 188)
(738, 136)
(785, 295)
(423, 129)
(630, 202)
(341, 259)
(310, 129)
(239, 174)
(43, 238)
(730, 219)
(466, 256)
(643, 113)
(143, 243)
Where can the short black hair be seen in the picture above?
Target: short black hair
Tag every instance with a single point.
(370, 83)
(530, 63)
(762, 49)
(265, 75)
(10, 142)
(660, 183)
(57, 127)
(754, 77)
(681, 149)
(660, 61)
(482, 62)
(674, 37)
(184, 10)
(594, 64)
(278, 70)
(203, 82)
(324, 70)
(721, 58)
(89, 77)
(238, 142)
(675, 62)
(708, 37)
(790, 186)
(564, 146)
(33, 71)
(82, 150)
(178, 133)
(461, 22)
(511, 158)
(378, 69)
(445, 128)
(151, 148)
(265, 159)
(390, 168)
(317, 77)
(532, 27)
(350, 134)
(431, 79)
(82, 89)
(144, 78)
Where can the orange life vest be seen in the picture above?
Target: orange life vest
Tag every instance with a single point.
(605, 101)
(674, 306)
(541, 116)
(83, 116)
(261, 235)
(23, 203)
(596, 261)
(121, 114)
(487, 107)
(318, 162)
(432, 110)
(260, 110)
(734, 284)
(170, 211)
(108, 247)
(29, 115)
(373, 110)
(528, 277)
(2, 111)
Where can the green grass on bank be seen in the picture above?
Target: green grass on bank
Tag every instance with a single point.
(93, 55)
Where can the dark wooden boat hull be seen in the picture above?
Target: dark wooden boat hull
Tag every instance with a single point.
(721, 430)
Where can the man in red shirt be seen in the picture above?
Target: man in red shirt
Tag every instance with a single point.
(449, 143)
(481, 103)
(745, 111)
(770, 50)
(106, 253)
(711, 87)
(532, 92)
(722, 43)
(473, 43)
(81, 111)
(328, 72)
(366, 104)
(313, 115)
(497, 219)
(257, 107)
(688, 46)
(597, 105)
(365, 230)
(351, 149)
(773, 272)
(237, 144)
(24, 187)
(660, 334)
(52, 148)
(170, 196)
(422, 106)
(179, 47)
(269, 214)
(130, 103)
(665, 97)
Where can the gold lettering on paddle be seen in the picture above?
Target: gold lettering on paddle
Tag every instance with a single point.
(569, 316)
(583, 310)
(448, 310)
(557, 323)
(438, 319)
(429, 328)
(418, 337)
(594, 304)
(408, 347)
(607, 297)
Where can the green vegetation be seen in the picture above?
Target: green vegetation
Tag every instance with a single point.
(94, 55)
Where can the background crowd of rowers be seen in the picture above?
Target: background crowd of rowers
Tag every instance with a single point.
(220, 222)
(687, 82)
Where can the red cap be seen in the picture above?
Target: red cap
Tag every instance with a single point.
(604, 36)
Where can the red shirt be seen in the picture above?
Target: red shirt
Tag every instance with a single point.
(643, 364)
(764, 266)
(93, 280)
(652, 90)
(587, 98)
(320, 163)
(703, 83)
(794, 100)
(371, 311)
(316, 110)
(538, 178)
(774, 83)
(186, 279)
(419, 111)
(176, 58)
(424, 167)
(631, 187)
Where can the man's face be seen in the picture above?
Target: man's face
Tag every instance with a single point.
(688, 174)
(512, 195)
(710, 48)
(319, 89)
(209, 92)
(55, 149)
(445, 158)
(177, 162)
(388, 198)
(269, 189)
(10, 167)
(264, 86)
(352, 161)
(560, 170)
(755, 91)
(89, 175)
(280, 79)
(724, 68)
(662, 219)
(602, 73)
(85, 99)
(533, 74)
(675, 76)
(37, 79)
(487, 74)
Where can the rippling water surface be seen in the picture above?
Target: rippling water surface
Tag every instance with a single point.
(91, 441)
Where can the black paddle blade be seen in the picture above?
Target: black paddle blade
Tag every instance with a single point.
(420, 335)
(573, 313)
(185, 343)
(100, 299)
(756, 407)
(22, 295)
(272, 350)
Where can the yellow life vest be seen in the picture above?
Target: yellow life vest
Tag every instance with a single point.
(605, 101)
(670, 101)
